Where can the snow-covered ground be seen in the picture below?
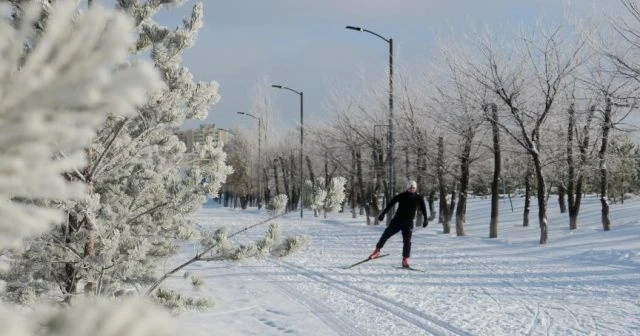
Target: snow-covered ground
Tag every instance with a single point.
(585, 282)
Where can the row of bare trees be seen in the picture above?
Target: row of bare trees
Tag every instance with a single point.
(544, 109)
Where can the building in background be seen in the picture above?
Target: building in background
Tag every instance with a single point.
(197, 135)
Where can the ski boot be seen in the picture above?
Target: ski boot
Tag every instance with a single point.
(375, 254)
(405, 262)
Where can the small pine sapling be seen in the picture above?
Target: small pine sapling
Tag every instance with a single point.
(277, 205)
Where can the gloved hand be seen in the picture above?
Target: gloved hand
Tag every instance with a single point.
(381, 217)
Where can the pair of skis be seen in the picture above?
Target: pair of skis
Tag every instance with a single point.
(382, 256)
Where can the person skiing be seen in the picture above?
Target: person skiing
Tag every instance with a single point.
(408, 202)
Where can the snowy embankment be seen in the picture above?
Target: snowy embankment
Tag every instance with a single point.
(585, 282)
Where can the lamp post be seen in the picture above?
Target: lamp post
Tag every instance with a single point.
(259, 155)
(301, 94)
(392, 179)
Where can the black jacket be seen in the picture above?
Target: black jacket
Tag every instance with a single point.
(408, 203)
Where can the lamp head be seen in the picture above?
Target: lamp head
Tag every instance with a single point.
(277, 86)
(354, 28)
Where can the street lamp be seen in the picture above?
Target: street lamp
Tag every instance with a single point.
(301, 94)
(259, 155)
(392, 179)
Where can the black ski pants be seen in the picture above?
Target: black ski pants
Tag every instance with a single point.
(406, 226)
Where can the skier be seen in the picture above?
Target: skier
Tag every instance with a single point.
(408, 202)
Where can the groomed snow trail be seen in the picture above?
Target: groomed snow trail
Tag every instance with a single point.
(585, 282)
(404, 314)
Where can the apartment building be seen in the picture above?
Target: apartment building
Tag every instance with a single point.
(197, 135)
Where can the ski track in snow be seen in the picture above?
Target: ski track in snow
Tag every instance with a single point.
(318, 308)
(412, 316)
(340, 325)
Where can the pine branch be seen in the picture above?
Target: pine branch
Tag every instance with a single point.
(147, 212)
(213, 259)
(66, 246)
(107, 147)
(75, 170)
(199, 256)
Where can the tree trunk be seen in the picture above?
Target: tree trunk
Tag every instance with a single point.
(527, 198)
(89, 224)
(375, 208)
(312, 176)
(285, 181)
(267, 191)
(406, 163)
(326, 169)
(363, 197)
(452, 205)
(604, 182)
(571, 170)
(495, 183)
(352, 177)
(446, 228)
(562, 192)
(295, 187)
(419, 181)
(244, 200)
(275, 176)
(378, 161)
(70, 276)
(431, 201)
(465, 163)
(542, 200)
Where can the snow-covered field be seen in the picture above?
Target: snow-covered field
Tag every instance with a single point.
(585, 282)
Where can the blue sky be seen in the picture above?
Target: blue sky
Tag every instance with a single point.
(303, 44)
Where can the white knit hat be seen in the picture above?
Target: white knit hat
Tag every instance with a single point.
(412, 184)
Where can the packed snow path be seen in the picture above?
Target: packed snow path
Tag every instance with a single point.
(585, 282)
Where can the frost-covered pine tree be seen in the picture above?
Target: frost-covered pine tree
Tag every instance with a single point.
(277, 204)
(141, 192)
(52, 98)
(327, 197)
(335, 195)
(51, 101)
(318, 196)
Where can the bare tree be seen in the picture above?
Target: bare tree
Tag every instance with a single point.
(239, 182)
(262, 109)
(461, 103)
(528, 87)
(576, 170)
